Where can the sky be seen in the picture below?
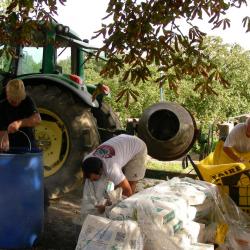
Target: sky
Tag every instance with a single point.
(85, 17)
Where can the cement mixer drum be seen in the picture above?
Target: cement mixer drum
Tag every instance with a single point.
(168, 129)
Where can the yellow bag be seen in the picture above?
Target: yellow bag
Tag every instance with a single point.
(233, 177)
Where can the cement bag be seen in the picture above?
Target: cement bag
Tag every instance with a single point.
(182, 188)
(100, 233)
(127, 209)
(180, 241)
(176, 203)
(194, 231)
(114, 197)
(165, 235)
(201, 246)
(93, 194)
(124, 210)
(204, 212)
(146, 183)
(158, 235)
(191, 233)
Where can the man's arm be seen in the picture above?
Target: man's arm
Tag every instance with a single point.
(31, 121)
(232, 155)
(126, 188)
(2, 132)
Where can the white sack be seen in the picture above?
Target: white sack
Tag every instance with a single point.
(100, 233)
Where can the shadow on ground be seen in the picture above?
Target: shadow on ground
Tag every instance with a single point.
(60, 233)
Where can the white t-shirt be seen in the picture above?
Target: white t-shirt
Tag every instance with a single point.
(116, 153)
(237, 139)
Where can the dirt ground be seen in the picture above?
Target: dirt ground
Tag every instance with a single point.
(60, 231)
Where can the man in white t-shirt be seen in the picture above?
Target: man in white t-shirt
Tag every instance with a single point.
(238, 139)
(121, 159)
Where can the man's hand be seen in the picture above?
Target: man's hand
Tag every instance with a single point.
(31, 121)
(14, 126)
(243, 160)
(4, 145)
(126, 188)
(100, 208)
(229, 151)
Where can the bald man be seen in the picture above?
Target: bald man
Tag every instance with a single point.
(238, 139)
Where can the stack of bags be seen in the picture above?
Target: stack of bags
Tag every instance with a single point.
(178, 214)
(166, 214)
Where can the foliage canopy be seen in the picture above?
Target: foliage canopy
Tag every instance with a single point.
(233, 62)
(137, 35)
(142, 33)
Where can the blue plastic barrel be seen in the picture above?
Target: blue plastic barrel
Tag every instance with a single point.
(21, 199)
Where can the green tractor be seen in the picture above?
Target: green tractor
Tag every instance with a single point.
(69, 128)
(73, 123)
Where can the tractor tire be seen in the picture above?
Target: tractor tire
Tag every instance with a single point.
(107, 121)
(67, 133)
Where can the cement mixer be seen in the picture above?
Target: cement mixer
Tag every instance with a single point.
(168, 129)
